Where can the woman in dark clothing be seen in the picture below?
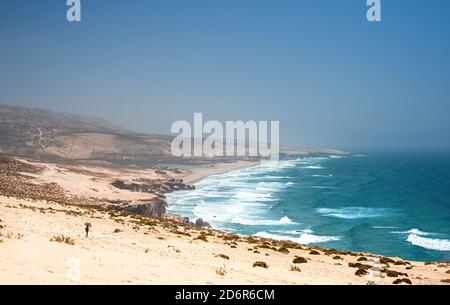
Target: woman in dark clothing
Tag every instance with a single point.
(88, 226)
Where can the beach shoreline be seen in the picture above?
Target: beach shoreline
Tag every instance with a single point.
(228, 203)
(42, 236)
(200, 172)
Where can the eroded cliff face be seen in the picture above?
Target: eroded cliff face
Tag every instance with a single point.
(157, 206)
(157, 187)
(153, 208)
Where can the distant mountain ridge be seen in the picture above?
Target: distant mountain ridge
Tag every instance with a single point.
(44, 134)
(47, 119)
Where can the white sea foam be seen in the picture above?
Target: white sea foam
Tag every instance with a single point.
(271, 185)
(253, 196)
(294, 232)
(352, 212)
(273, 177)
(417, 238)
(244, 197)
(336, 157)
(262, 222)
(313, 167)
(320, 187)
(383, 227)
(429, 243)
(414, 231)
(304, 238)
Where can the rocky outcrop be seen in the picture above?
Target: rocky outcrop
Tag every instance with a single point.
(154, 208)
(154, 187)
(157, 206)
(201, 223)
(177, 218)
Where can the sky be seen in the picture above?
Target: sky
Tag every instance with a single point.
(332, 79)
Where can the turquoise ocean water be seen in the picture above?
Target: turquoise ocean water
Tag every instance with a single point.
(389, 204)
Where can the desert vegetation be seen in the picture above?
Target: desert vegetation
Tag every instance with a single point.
(260, 264)
(63, 239)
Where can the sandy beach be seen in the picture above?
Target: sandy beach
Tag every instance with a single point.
(42, 237)
(200, 172)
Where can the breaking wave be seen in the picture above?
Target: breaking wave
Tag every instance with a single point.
(352, 212)
(304, 238)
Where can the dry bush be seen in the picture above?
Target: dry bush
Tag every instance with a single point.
(260, 264)
(252, 240)
(222, 256)
(283, 250)
(201, 237)
(230, 237)
(63, 239)
(392, 273)
(359, 266)
(295, 268)
(221, 271)
(361, 272)
(178, 232)
(386, 260)
(400, 281)
(362, 259)
(300, 260)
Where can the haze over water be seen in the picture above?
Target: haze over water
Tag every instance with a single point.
(389, 204)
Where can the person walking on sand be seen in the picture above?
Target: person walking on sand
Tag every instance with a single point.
(88, 226)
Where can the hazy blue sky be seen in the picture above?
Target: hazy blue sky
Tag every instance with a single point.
(329, 76)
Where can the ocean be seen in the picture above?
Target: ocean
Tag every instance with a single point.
(391, 204)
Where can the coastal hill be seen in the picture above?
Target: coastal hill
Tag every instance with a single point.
(47, 135)
(44, 134)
